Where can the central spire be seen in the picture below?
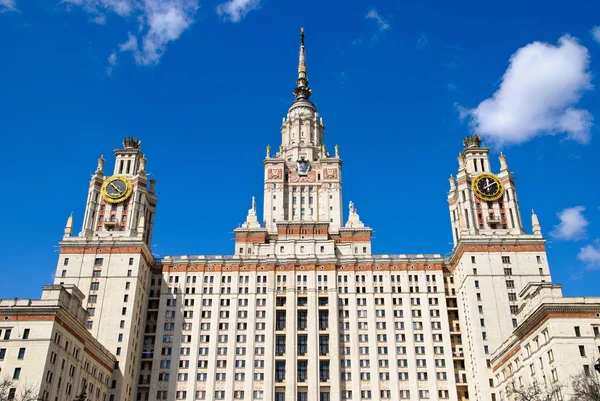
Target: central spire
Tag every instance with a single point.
(302, 90)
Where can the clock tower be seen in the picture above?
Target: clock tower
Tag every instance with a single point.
(482, 203)
(110, 260)
(493, 260)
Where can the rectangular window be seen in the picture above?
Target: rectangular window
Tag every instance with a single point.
(577, 331)
(582, 350)
(17, 374)
(2, 353)
(21, 353)
(505, 259)
(25, 334)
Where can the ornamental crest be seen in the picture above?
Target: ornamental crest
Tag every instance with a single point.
(274, 173)
(330, 173)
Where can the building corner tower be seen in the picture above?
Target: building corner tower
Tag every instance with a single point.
(493, 260)
(110, 260)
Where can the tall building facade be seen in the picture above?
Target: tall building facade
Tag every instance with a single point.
(302, 310)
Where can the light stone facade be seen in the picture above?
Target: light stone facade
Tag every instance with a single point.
(303, 309)
(45, 345)
(558, 339)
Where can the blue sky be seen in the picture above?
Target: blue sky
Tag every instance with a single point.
(205, 85)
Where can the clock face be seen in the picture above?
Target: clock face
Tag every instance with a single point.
(302, 166)
(116, 189)
(487, 187)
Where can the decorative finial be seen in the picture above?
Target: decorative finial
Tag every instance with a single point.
(337, 150)
(69, 226)
(461, 162)
(535, 223)
(353, 217)
(142, 169)
(323, 149)
(100, 168)
(268, 151)
(452, 183)
(302, 90)
(280, 149)
(503, 165)
(152, 183)
(131, 143)
(472, 141)
(251, 218)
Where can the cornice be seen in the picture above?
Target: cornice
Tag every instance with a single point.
(545, 311)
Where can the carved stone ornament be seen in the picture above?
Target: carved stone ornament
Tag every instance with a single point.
(274, 173)
(330, 173)
(304, 178)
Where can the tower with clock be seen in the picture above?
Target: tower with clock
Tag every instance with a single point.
(110, 259)
(493, 260)
(482, 203)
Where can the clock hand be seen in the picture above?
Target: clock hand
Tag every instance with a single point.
(116, 187)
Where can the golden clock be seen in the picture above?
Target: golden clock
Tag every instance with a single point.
(116, 189)
(487, 187)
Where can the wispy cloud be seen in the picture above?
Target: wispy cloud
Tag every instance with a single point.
(538, 95)
(382, 24)
(159, 23)
(451, 87)
(236, 10)
(596, 33)
(422, 41)
(342, 78)
(590, 255)
(112, 62)
(7, 5)
(572, 225)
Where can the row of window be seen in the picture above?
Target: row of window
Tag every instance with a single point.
(303, 395)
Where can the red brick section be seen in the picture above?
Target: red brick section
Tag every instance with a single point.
(548, 316)
(492, 248)
(243, 237)
(106, 251)
(354, 238)
(302, 231)
(330, 267)
(28, 318)
(507, 357)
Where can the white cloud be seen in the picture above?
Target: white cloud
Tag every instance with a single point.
(112, 62)
(236, 10)
(596, 33)
(381, 23)
(422, 41)
(451, 86)
(159, 22)
(538, 95)
(7, 5)
(573, 224)
(99, 19)
(590, 255)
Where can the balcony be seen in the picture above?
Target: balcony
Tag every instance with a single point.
(148, 354)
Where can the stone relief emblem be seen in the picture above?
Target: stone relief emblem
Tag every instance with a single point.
(274, 173)
(330, 173)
